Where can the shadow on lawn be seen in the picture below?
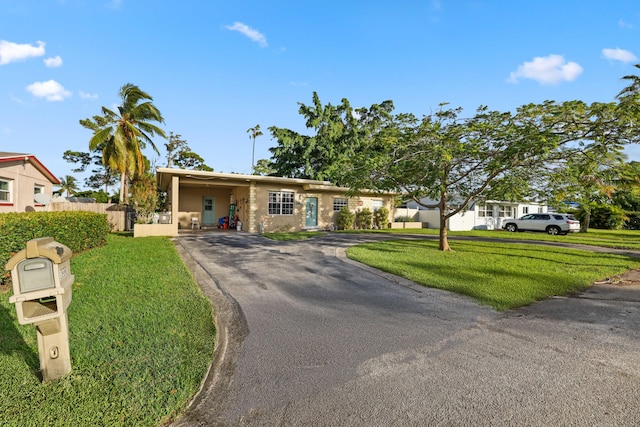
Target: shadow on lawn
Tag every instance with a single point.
(13, 342)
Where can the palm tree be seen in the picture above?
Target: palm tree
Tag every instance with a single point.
(126, 133)
(255, 132)
(633, 90)
(68, 185)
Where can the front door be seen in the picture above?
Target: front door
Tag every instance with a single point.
(208, 210)
(311, 207)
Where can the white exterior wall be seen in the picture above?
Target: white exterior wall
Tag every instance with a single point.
(473, 219)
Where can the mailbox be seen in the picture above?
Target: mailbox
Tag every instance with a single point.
(42, 281)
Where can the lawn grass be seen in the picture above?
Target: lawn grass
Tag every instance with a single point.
(617, 239)
(141, 336)
(502, 275)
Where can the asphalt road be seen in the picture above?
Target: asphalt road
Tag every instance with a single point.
(308, 338)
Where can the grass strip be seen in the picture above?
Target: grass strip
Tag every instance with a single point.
(502, 275)
(141, 339)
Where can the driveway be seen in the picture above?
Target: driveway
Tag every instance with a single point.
(307, 337)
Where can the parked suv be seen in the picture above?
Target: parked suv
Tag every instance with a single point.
(551, 223)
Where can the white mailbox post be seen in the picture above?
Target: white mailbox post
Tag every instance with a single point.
(42, 280)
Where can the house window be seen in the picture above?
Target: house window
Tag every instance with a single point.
(36, 190)
(5, 191)
(281, 202)
(485, 211)
(338, 204)
(540, 210)
(505, 211)
(525, 210)
(376, 204)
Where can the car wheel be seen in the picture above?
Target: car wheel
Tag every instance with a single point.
(511, 227)
(553, 230)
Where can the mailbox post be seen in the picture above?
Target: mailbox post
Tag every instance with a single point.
(42, 280)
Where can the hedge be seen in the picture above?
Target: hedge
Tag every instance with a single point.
(76, 229)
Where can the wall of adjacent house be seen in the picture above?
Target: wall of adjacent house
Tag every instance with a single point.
(23, 177)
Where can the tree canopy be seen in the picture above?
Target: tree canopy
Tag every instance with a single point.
(124, 135)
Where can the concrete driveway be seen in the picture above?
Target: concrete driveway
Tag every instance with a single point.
(307, 337)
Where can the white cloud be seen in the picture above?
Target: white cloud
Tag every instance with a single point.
(618, 54)
(85, 95)
(54, 62)
(623, 24)
(13, 52)
(254, 35)
(114, 4)
(50, 90)
(551, 69)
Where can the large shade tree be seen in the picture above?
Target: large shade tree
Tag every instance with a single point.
(444, 157)
(336, 133)
(125, 134)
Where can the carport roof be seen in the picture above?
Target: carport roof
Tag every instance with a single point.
(197, 178)
(164, 175)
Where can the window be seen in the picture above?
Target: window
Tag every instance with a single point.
(485, 211)
(525, 209)
(281, 202)
(37, 190)
(376, 204)
(540, 209)
(505, 211)
(338, 204)
(5, 191)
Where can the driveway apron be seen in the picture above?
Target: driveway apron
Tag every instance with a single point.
(307, 337)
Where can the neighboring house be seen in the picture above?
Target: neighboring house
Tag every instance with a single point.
(199, 199)
(485, 215)
(25, 183)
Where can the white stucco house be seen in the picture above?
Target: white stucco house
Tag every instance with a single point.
(485, 215)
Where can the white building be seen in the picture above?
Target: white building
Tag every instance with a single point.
(485, 215)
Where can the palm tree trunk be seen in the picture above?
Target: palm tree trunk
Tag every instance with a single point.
(123, 188)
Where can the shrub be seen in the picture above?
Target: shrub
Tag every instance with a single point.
(605, 217)
(382, 217)
(345, 219)
(365, 218)
(404, 218)
(78, 230)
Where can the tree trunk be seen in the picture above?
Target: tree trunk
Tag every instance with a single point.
(444, 242)
(584, 224)
(123, 188)
(442, 207)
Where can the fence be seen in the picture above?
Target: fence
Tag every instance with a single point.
(121, 217)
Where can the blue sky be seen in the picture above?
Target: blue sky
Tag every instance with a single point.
(215, 69)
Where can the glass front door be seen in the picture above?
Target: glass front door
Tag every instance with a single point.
(208, 210)
(311, 207)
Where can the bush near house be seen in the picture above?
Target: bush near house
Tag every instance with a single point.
(345, 219)
(365, 219)
(382, 217)
(78, 230)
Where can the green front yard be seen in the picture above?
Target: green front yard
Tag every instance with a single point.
(141, 337)
(503, 275)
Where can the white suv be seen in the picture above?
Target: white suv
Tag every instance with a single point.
(551, 223)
